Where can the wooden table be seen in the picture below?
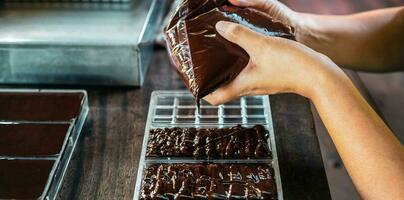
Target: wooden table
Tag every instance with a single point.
(105, 162)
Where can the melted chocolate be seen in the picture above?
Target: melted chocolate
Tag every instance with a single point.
(38, 106)
(228, 143)
(208, 181)
(203, 58)
(23, 179)
(32, 139)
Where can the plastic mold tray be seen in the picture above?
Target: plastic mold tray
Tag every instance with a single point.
(178, 109)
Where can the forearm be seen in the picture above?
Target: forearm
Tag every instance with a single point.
(369, 41)
(372, 155)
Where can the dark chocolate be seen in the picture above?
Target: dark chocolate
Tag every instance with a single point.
(23, 179)
(228, 143)
(208, 181)
(32, 139)
(203, 58)
(39, 106)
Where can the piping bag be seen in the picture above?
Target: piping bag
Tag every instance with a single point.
(202, 57)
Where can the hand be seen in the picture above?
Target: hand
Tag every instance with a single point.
(346, 39)
(276, 65)
(274, 8)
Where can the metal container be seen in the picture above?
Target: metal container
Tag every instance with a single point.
(78, 42)
(177, 109)
(62, 158)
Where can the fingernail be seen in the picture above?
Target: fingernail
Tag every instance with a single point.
(222, 27)
(242, 2)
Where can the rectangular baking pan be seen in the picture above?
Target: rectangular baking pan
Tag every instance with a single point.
(177, 109)
(78, 42)
(63, 157)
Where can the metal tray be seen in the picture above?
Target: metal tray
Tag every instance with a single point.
(62, 159)
(178, 109)
(78, 42)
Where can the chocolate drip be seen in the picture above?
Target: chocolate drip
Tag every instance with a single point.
(231, 143)
(198, 105)
(208, 181)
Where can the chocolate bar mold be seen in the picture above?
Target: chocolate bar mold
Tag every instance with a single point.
(63, 157)
(177, 108)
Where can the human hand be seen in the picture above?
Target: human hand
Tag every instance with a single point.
(276, 65)
(274, 8)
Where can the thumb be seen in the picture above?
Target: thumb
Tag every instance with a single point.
(232, 90)
(223, 94)
(247, 39)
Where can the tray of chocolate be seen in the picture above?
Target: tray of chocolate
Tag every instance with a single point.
(215, 152)
(38, 133)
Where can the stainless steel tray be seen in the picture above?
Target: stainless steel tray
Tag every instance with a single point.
(77, 42)
(178, 109)
(62, 159)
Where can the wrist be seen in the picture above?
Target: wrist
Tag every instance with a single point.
(306, 29)
(329, 84)
(300, 24)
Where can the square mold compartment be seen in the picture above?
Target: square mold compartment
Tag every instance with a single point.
(33, 139)
(180, 111)
(24, 179)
